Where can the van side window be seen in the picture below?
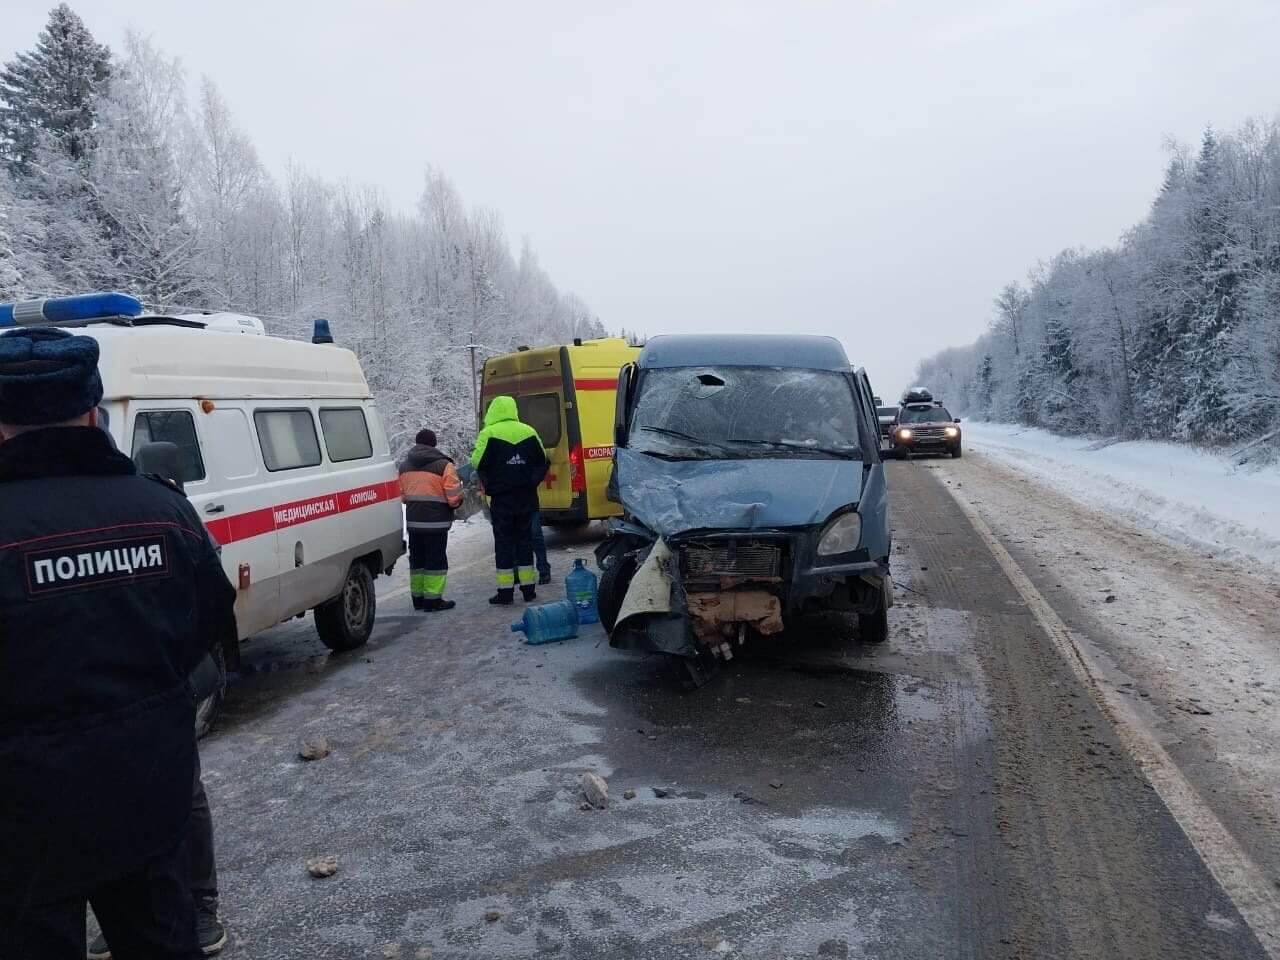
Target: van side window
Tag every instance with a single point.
(171, 426)
(226, 431)
(288, 439)
(346, 434)
(542, 412)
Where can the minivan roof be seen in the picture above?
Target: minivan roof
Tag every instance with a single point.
(744, 350)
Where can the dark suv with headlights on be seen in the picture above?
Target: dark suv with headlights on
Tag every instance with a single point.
(925, 427)
(749, 473)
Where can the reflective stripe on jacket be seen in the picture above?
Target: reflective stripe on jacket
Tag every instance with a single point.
(431, 489)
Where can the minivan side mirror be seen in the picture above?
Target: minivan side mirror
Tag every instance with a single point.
(957, 419)
(626, 376)
(161, 458)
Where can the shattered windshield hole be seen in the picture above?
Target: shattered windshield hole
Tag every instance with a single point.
(707, 384)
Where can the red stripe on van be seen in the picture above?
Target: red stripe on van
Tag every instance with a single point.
(255, 523)
(596, 384)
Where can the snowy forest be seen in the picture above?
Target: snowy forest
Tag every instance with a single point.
(116, 178)
(1172, 334)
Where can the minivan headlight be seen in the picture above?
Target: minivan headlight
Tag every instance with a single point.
(842, 535)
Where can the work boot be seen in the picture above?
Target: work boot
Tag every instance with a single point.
(419, 603)
(503, 598)
(544, 577)
(210, 933)
(530, 593)
(432, 606)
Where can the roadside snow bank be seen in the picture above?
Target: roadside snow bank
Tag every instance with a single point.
(1186, 495)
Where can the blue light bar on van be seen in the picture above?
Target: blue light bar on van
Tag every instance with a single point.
(52, 311)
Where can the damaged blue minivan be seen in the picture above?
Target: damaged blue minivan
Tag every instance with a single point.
(748, 469)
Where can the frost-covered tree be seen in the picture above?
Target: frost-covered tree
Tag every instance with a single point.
(138, 178)
(53, 89)
(1173, 333)
(177, 209)
(227, 180)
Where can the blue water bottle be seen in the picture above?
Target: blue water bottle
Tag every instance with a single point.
(548, 623)
(583, 588)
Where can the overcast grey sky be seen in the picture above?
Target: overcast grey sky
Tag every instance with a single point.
(871, 170)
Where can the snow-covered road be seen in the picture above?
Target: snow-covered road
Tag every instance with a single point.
(1186, 495)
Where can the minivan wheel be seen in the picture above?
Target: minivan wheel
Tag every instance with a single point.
(873, 627)
(615, 580)
(208, 708)
(955, 451)
(346, 621)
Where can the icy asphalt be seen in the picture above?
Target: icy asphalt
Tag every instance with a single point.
(951, 794)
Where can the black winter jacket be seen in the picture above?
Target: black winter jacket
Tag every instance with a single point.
(110, 593)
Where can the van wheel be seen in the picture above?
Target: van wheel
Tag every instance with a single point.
(615, 580)
(873, 627)
(956, 452)
(346, 621)
(208, 708)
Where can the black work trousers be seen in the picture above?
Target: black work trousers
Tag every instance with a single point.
(147, 915)
(513, 544)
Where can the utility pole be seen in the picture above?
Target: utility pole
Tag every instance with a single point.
(475, 386)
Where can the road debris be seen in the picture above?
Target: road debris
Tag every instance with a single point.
(314, 748)
(321, 867)
(661, 792)
(492, 916)
(820, 704)
(628, 794)
(596, 790)
(776, 784)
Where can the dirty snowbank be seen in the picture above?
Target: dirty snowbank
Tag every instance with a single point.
(1190, 496)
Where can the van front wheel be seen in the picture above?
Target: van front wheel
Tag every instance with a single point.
(346, 621)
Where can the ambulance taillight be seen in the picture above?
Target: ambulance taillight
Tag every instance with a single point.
(577, 475)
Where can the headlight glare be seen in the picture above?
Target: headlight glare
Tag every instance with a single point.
(842, 535)
(952, 432)
(904, 434)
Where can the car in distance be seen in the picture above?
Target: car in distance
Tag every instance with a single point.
(925, 426)
(886, 415)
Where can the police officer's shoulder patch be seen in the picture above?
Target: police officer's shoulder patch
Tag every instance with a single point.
(100, 563)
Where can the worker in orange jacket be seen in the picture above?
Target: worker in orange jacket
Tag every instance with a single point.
(432, 491)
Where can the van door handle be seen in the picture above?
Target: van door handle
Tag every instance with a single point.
(214, 507)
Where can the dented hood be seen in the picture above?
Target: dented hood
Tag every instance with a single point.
(672, 496)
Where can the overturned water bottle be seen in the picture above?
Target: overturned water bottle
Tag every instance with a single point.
(548, 623)
(583, 589)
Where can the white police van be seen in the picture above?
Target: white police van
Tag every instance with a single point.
(281, 451)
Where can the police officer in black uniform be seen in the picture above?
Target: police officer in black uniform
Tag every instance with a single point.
(110, 594)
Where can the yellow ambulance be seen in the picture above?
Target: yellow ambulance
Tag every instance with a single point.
(567, 394)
